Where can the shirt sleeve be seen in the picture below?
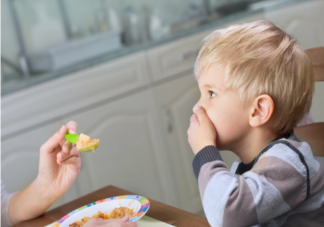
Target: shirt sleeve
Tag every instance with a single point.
(267, 191)
(5, 198)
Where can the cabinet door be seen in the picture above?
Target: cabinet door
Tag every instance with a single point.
(130, 155)
(176, 110)
(20, 160)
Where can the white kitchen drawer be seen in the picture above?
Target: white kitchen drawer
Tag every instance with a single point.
(180, 56)
(175, 57)
(48, 101)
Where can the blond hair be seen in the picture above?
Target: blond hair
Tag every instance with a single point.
(260, 58)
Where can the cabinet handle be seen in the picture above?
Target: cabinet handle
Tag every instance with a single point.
(167, 114)
(184, 56)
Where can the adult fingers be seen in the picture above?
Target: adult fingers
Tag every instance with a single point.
(72, 127)
(121, 222)
(96, 222)
(66, 145)
(54, 141)
(131, 224)
(65, 157)
(123, 219)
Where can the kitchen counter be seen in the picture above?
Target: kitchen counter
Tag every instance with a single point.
(183, 31)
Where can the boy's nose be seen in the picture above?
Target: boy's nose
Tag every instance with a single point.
(196, 107)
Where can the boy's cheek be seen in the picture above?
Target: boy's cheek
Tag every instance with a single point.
(213, 121)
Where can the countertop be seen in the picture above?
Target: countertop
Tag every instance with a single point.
(189, 29)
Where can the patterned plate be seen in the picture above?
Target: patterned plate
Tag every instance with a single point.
(139, 204)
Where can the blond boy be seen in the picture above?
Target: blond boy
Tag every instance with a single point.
(256, 84)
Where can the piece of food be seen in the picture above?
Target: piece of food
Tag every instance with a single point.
(85, 144)
(115, 213)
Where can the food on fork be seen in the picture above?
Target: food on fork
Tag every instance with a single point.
(85, 144)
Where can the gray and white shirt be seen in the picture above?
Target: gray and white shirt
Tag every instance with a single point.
(283, 186)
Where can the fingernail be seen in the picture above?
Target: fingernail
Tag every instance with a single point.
(196, 108)
(126, 218)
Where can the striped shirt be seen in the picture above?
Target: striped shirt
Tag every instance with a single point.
(283, 186)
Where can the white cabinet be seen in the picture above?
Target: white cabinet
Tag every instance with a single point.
(131, 153)
(21, 110)
(176, 110)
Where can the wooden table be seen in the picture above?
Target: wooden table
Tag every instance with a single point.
(159, 211)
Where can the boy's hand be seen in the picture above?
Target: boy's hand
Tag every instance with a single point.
(201, 132)
(59, 163)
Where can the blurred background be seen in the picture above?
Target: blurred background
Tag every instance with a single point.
(123, 70)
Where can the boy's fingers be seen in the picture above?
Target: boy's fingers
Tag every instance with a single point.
(54, 141)
(193, 118)
(201, 114)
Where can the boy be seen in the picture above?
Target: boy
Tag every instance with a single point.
(256, 84)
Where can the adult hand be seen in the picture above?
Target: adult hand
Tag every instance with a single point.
(201, 132)
(122, 222)
(59, 163)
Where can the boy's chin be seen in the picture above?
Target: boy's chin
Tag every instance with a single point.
(221, 147)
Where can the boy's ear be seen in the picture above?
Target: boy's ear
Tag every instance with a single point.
(261, 110)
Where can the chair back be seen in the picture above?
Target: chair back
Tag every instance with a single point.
(313, 134)
(316, 55)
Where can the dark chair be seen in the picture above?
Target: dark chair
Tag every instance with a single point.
(313, 133)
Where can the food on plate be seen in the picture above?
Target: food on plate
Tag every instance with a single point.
(114, 214)
(85, 144)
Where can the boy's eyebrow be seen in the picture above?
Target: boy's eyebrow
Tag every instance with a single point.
(212, 86)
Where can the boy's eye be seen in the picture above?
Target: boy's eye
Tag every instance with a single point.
(212, 94)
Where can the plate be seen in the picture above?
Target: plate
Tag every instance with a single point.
(139, 204)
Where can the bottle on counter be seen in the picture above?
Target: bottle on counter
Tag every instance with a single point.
(134, 26)
(47, 31)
